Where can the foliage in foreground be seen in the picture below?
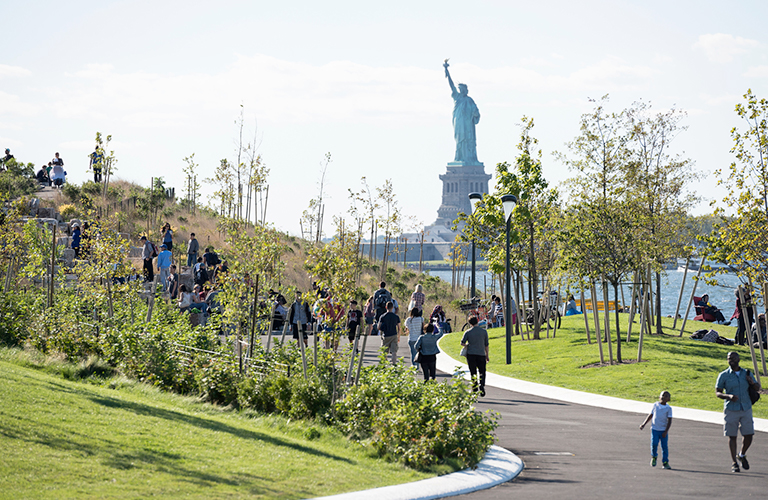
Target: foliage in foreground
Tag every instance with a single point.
(424, 426)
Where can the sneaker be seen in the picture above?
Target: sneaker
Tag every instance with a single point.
(666, 465)
(653, 461)
(735, 467)
(744, 463)
(482, 394)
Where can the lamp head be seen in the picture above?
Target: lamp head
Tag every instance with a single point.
(474, 199)
(508, 201)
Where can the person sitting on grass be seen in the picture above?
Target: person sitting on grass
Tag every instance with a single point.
(570, 306)
(661, 420)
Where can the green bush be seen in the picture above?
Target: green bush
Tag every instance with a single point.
(420, 424)
(14, 320)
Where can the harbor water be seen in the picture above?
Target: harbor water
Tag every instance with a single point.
(721, 295)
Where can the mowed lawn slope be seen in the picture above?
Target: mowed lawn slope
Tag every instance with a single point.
(687, 368)
(63, 439)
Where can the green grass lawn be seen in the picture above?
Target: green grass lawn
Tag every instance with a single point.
(121, 439)
(687, 368)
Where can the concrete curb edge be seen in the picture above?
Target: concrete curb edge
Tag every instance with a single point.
(498, 466)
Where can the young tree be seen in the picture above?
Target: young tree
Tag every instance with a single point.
(191, 186)
(656, 180)
(739, 240)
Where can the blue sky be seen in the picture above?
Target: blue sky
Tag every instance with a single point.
(364, 82)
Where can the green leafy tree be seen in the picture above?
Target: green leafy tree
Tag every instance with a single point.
(739, 240)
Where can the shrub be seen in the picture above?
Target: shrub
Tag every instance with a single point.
(68, 211)
(422, 425)
(14, 318)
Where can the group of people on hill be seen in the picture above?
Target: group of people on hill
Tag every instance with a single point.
(52, 174)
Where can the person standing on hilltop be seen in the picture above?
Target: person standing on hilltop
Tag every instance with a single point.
(95, 164)
(192, 248)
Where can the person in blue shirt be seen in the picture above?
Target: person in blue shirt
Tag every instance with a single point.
(164, 259)
(76, 239)
(96, 157)
(733, 387)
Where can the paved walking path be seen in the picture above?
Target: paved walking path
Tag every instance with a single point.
(583, 450)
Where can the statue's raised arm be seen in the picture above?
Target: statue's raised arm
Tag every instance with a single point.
(448, 76)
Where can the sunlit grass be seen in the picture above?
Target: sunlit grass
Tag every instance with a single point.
(121, 439)
(687, 368)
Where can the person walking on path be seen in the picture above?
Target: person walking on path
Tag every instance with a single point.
(298, 317)
(192, 248)
(661, 420)
(417, 299)
(733, 387)
(164, 265)
(354, 318)
(146, 255)
(369, 313)
(415, 325)
(476, 341)
(168, 236)
(389, 326)
(380, 300)
(427, 348)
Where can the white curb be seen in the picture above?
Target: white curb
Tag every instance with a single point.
(498, 466)
(447, 364)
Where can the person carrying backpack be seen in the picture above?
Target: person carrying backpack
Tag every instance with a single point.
(380, 299)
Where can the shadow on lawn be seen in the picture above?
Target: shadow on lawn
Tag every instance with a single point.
(212, 425)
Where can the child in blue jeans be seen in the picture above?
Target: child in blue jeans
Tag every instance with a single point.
(661, 420)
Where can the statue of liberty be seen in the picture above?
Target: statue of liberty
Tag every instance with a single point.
(465, 117)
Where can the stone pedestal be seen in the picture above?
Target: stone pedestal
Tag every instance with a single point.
(459, 180)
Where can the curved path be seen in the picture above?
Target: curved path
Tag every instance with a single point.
(584, 450)
(573, 450)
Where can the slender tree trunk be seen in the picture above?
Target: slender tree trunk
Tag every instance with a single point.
(618, 326)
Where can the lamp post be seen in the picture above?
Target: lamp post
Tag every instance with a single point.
(474, 198)
(508, 201)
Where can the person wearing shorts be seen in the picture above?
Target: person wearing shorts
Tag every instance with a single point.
(389, 326)
(733, 387)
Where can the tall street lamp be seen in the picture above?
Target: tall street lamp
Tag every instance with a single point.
(508, 201)
(474, 198)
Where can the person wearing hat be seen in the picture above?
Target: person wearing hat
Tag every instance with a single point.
(76, 239)
(164, 261)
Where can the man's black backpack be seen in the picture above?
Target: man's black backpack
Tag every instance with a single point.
(382, 297)
(754, 396)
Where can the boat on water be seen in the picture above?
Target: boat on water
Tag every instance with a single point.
(694, 264)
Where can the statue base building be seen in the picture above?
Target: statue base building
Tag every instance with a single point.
(459, 180)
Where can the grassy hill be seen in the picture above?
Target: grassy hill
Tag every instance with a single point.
(119, 439)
